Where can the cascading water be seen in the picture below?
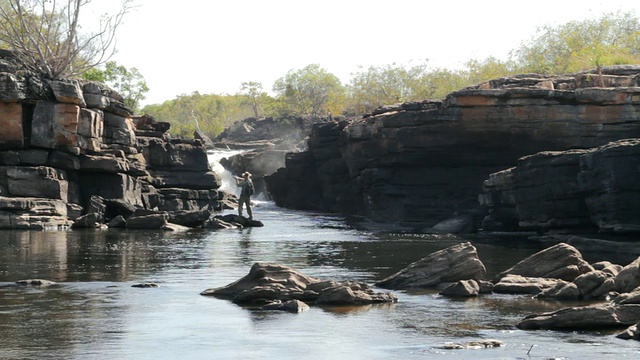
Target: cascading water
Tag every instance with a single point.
(228, 182)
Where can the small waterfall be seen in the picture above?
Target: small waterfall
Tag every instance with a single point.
(228, 182)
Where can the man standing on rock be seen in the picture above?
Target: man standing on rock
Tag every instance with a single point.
(246, 190)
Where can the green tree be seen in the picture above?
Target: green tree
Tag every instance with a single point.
(127, 82)
(577, 45)
(47, 38)
(388, 84)
(210, 113)
(310, 91)
(255, 96)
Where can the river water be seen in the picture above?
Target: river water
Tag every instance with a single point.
(94, 312)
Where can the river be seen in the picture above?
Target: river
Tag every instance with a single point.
(95, 313)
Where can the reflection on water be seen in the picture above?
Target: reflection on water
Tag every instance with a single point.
(94, 313)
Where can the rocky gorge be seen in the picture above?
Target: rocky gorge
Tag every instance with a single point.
(524, 153)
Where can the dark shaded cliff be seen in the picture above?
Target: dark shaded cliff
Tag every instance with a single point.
(416, 164)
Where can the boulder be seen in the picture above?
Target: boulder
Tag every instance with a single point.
(632, 297)
(117, 222)
(350, 293)
(518, 284)
(628, 278)
(217, 223)
(573, 318)
(561, 261)
(88, 221)
(147, 219)
(462, 288)
(233, 219)
(458, 262)
(631, 333)
(266, 283)
(562, 291)
(608, 267)
(194, 218)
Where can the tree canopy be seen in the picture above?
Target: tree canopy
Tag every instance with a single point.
(310, 91)
(577, 45)
(127, 82)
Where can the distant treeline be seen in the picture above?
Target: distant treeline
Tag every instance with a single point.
(314, 92)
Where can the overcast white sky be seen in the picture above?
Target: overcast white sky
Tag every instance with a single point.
(212, 46)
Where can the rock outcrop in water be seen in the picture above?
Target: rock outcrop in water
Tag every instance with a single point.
(417, 164)
(458, 262)
(71, 152)
(267, 284)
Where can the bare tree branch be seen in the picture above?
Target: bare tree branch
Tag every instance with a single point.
(46, 35)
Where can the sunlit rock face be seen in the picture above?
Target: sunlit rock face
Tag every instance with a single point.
(67, 145)
(419, 163)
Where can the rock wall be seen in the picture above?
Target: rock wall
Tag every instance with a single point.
(69, 149)
(576, 189)
(419, 163)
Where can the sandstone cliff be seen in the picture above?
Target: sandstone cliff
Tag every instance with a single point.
(416, 164)
(73, 151)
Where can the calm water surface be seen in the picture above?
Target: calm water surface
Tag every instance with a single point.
(94, 313)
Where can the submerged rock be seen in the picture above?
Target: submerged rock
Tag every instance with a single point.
(145, 285)
(476, 344)
(458, 262)
(267, 283)
(35, 282)
(292, 306)
(230, 221)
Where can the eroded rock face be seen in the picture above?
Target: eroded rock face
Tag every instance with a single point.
(458, 262)
(67, 142)
(574, 189)
(267, 283)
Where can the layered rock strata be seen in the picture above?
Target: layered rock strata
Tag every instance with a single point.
(420, 163)
(69, 149)
(575, 189)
